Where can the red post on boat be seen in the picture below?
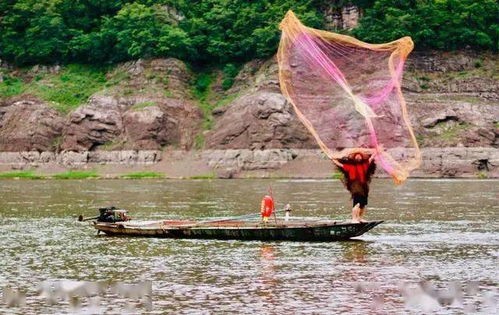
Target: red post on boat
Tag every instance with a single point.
(267, 208)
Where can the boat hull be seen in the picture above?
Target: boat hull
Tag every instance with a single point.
(330, 231)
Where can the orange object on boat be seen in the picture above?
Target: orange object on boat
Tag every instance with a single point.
(267, 207)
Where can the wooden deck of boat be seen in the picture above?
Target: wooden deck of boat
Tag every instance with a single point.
(243, 230)
(232, 223)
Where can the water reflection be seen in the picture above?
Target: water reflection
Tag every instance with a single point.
(355, 250)
(268, 272)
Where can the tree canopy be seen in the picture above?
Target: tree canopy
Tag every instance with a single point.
(434, 24)
(220, 31)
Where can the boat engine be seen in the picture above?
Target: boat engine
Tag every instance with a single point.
(112, 214)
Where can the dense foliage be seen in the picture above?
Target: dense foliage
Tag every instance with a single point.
(202, 31)
(436, 24)
(219, 31)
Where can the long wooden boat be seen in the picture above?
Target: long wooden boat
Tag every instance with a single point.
(240, 230)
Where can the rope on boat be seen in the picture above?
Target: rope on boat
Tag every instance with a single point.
(242, 217)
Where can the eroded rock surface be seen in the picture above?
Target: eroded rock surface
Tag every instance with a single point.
(168, 122)
(259, 120)
(148, 108)
(148, 105)
(28, 124)
(94, 124)
(261, 117)
(452, 100)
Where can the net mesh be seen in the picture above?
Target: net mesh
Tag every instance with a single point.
(348, 95)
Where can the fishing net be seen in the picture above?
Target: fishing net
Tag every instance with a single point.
(348, 95)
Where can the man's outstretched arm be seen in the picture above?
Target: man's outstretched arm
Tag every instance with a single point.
(371, 158)
(337, 163)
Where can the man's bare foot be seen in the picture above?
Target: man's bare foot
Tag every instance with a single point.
(355, 221)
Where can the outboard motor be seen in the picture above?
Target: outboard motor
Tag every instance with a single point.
(112, 214)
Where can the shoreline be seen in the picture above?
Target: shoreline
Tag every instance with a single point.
(301, 179)
(459, 162)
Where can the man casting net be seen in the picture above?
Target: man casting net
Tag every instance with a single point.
(348, 95)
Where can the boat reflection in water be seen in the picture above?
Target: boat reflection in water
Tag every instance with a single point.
(268, 270)
(355, 250)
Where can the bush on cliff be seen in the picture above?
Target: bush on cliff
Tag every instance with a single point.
(64, 90)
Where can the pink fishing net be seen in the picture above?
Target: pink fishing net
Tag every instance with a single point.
(347, 93)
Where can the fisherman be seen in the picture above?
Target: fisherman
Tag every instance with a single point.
(357, 169)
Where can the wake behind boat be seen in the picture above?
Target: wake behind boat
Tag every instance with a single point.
(226, 229)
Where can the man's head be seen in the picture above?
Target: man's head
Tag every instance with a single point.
(358, 157)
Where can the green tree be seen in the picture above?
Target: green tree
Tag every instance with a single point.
(34, 30)
(239, 30)
(137, 31)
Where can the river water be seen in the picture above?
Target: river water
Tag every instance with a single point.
(437, 251)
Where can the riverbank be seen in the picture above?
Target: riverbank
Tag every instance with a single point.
(238, 163)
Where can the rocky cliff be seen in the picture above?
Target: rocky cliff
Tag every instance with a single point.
(151, 105)
(452, 98)
(146, 106)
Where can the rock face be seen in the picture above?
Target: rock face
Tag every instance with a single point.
(244, 159)
(261, 118)
(150, 128)
(115, 123)
(437, 61)
(437, 162)
(95, 124)
(452, 100)
(156, 105)
(466, 74)
(168, 122)
(455, 123)
(344, 18)
(162, 77)
(258, 121)
(149, 107)
(456, 162)
(27, 124)
(31, 159)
